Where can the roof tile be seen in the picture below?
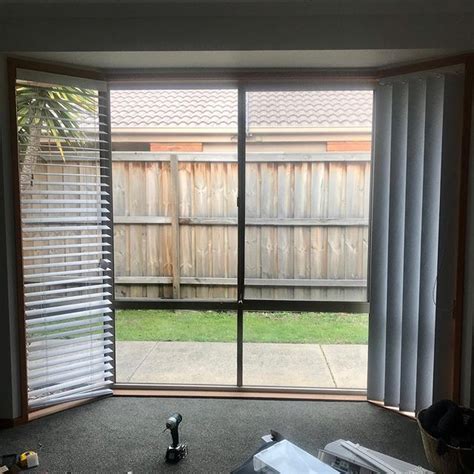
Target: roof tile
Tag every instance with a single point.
(218, 109)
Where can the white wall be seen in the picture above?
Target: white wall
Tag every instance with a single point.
(467, 385)
(232, 25)
(9, 377)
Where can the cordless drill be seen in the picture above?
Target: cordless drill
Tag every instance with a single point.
(177, 450)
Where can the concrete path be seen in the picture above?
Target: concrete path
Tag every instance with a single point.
(296, 365)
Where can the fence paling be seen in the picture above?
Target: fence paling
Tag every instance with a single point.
(175, 216)
(251, 221)
(174, 199)
(196, 236)
(323, 157)
(270, 282)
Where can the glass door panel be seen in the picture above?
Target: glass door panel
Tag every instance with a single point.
(175, 193)
(307, 194)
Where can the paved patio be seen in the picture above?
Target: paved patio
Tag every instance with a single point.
(299, 365)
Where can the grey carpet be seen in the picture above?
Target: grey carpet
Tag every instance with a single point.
(125, 434)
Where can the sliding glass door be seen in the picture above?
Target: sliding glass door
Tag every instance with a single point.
(175, 203)
(308, 167)
(207, 179)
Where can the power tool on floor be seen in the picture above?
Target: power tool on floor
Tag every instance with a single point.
(176, 451)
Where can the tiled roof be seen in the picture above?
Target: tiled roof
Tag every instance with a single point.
(311, 109)
(217, 109)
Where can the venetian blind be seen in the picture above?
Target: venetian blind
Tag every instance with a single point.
(66, 236)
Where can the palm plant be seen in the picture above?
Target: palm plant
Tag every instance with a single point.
(51, 114)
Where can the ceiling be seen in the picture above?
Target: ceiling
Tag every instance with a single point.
(240, 59)
(236, 33)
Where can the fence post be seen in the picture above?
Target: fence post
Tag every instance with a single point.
(174, 199)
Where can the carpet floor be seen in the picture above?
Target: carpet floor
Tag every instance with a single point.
(122, 434)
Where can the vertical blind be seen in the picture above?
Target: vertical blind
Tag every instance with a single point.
(417, 136)
(66, 236)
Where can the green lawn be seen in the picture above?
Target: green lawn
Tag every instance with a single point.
(211, 326)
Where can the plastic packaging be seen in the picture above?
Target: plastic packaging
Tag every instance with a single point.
(286, 458)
